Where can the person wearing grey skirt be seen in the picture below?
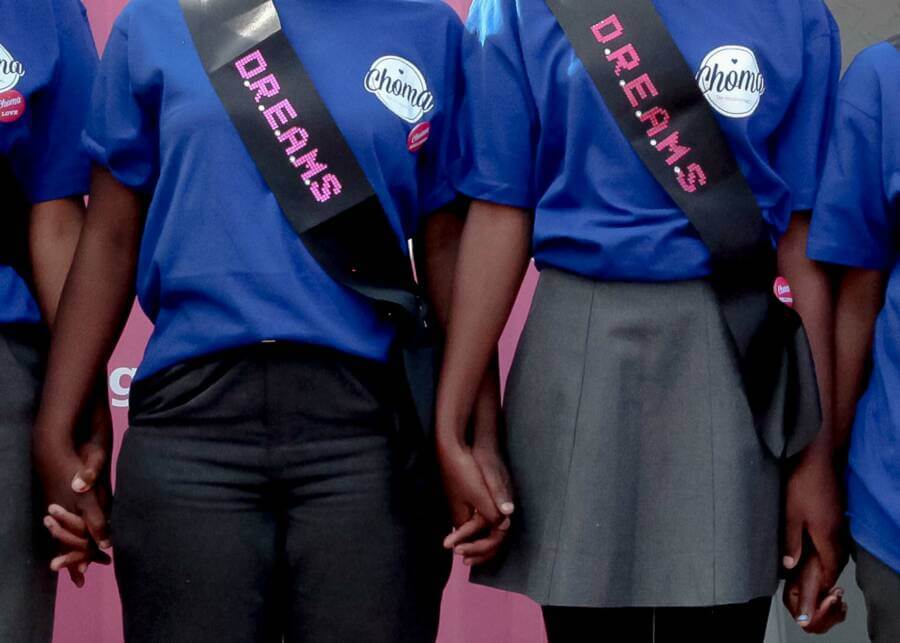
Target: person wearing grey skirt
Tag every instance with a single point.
(648, 504)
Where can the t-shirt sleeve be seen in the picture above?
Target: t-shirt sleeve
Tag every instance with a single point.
(499, 126)
(440, 152)
(52, 165)
(122, 129)
(853, 223)
(802, 137)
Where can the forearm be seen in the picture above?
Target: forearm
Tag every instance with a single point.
(94, 305)
(814, 302)
(860, 297)
(53, 232)
(493, 257)
(441, 241)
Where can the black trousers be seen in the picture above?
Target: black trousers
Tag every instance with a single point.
(273, 493)
(27, 586)
(881, 587)
(745, 623)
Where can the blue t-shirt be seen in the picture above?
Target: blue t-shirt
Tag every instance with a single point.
(857, 223)
(220, 266)
(47, 66)
(543, 139)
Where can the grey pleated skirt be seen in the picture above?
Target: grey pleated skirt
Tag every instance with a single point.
(640, 478)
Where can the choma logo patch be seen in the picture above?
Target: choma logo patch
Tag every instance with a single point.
(401, 87)
(731, 80)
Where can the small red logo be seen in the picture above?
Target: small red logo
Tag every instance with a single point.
(418, 136)
(12, 106)
(783, 292)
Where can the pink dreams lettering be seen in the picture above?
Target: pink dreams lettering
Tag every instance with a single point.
(640, 89)
(282, 118)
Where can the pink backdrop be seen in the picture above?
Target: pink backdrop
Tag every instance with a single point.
(470, 614)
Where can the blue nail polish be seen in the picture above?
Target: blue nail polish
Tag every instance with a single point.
(803, 618)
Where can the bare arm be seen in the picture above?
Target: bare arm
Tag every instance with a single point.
(94, 305)
(813, 548)
(442, 238)
(813, 301)
(860, 296)
(493, 257)
(53, 231)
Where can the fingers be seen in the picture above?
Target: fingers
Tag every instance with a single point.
(811, 588)
(68, 520)
(474, 525)
(95, 520)
(485, 505)
(831, 612)
(793, 541)
(70, 560)
(77, 577)
(791, 598)
(65, 538)
(479, 551)
(94, 458)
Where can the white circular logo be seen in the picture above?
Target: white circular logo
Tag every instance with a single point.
(11, 70)
(400, 86)
(731, 80)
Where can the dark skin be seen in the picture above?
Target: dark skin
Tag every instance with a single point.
(53, 233)
(859, 299)
(494, 255)
(94, 305)
(493, 258)
(815, 550)
(489, 516)
(101, 284)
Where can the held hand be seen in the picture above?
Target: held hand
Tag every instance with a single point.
(481, 525)
(814, 605)
(814, 516)
(77, 489)
(77, 549)
(76, 520)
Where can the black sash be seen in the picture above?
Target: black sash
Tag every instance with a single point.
(651, 91)
(314, 175)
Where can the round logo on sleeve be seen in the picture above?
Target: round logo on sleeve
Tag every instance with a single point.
(12, 106)
(782, 290)
(12, 103)
(418, 137)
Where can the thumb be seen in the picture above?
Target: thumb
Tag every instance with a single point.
(95, 519)
(497, 481)
(93, 458)
(810, 586)
(793, 543)
(483, 502)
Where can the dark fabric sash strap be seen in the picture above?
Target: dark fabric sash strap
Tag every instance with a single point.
(895, 41)
(650, 90)
(310, 168)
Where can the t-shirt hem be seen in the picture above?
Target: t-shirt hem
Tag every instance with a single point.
(500, 193)
(99, 156)
(843, 255)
